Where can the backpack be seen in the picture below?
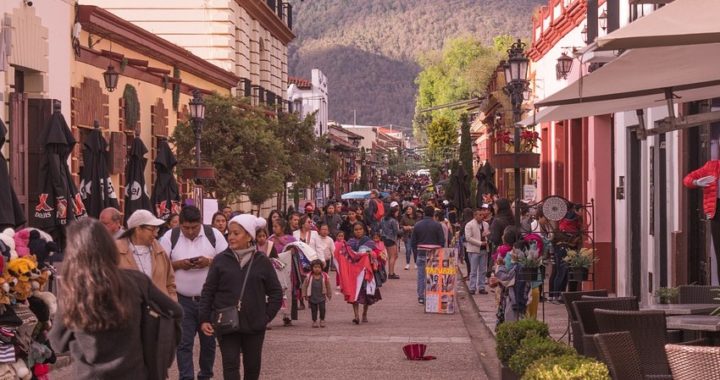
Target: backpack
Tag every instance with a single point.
(160, 333)
(379, 210)
(175, 236)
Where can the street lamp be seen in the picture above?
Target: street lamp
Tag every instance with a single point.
(584, 34)
(603, 20)
(110, 77)
(197, 114)
(564, 65)
(516, 79)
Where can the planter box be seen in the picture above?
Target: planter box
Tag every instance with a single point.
(578, 274)
(531, 274)
(524, 160)
(507, 374)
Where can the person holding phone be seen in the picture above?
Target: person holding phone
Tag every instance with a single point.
(192, 248)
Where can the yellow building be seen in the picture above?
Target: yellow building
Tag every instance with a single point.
(155, 76)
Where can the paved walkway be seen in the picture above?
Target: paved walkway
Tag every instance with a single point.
(370, 350)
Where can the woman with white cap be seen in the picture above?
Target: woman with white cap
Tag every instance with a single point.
(244, 278)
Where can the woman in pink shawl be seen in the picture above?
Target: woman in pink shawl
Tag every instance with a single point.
(279, 237)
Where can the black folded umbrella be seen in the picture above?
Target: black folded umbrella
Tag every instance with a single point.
(136, 196)
(11, 212)
(461, 188)
(59, 201)
(165, 196)
(486, 182)
(96, 188)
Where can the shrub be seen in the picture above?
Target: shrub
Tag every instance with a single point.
(533, 348)
(567, 367)
(510, 334)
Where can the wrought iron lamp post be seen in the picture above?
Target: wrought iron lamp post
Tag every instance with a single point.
(516, 71)
(197, 115)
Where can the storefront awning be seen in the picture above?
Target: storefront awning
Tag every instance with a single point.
(682, 22)
(637, 79)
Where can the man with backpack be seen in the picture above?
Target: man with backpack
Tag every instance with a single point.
(374, 212)
(191, 248)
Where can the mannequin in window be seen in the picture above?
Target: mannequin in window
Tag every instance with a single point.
(706, 178)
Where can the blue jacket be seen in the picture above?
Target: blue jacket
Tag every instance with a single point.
(427, 231)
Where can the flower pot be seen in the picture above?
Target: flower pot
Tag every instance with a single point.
(530, 274)
(508, 374)
(578, 274)
(524, 160)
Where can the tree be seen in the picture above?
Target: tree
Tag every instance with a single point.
(238, 141)
(308, 157)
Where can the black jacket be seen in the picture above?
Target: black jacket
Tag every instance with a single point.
(113, 354)
(427, 231)
(224, 283)
(497, 228)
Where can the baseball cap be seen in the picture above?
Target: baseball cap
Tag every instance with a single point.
(485, 205)
(143, 218)
(394, 204)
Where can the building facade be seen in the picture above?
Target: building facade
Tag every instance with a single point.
(246, 37)
(308, 97)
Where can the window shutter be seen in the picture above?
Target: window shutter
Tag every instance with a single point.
(289, 16)
(261, 94)
(247, 87)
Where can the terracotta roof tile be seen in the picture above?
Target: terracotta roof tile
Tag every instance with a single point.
(301, 83)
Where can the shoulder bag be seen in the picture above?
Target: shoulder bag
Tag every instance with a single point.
(227, 319)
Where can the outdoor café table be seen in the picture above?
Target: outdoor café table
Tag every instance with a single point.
(683, 308)
(707, 325)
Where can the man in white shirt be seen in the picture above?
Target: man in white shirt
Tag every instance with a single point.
(476, 233)
(191, 249)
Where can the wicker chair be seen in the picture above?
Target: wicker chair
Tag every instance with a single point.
(693, 362)
(617, 350)
(648, 330)
(584, 309)
(697, 294)
(570, 297)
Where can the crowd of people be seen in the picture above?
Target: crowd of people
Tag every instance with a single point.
(225, 283)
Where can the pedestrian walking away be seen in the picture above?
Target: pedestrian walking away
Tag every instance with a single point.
(101, 325)
(427, 235)
(191, 249)
(243, 278)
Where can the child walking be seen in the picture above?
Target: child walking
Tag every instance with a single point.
(316, 290)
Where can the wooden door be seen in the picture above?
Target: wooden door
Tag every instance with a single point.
(18, 139)
(39, 111)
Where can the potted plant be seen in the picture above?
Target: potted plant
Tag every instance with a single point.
(531, 265)
(666, 295)
(508, 339)
(579, 263)
(523, 158)
(567, 367)
(533, 348)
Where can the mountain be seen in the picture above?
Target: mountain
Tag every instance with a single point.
(369, 48)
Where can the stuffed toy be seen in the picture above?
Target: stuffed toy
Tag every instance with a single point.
(4, 294)
(41, 248)
(22, 239)
(41, 371)
(21, 370)
(7, 238)
(25, 270)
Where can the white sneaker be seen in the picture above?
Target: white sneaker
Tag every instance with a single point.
(407, 266)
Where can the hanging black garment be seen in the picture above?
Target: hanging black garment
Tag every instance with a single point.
(96, 188)
(136, 195)
(165, 196)
(11, 212)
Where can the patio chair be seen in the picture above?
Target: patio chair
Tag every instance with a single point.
(618, 352)
(649, 332)
(697, 294)
(693, 362)
(570, 297)
(584, 309)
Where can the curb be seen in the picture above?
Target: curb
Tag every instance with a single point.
(480, 333)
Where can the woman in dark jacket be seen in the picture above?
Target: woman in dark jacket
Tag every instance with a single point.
(503, 218)
(99, 314)
(260, 302)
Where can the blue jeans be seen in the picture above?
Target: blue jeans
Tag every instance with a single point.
(409, 251)
(559, 276)
(190, 327)
(478, 269)
(420, 261)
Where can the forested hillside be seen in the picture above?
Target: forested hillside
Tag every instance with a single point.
(369, 48)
